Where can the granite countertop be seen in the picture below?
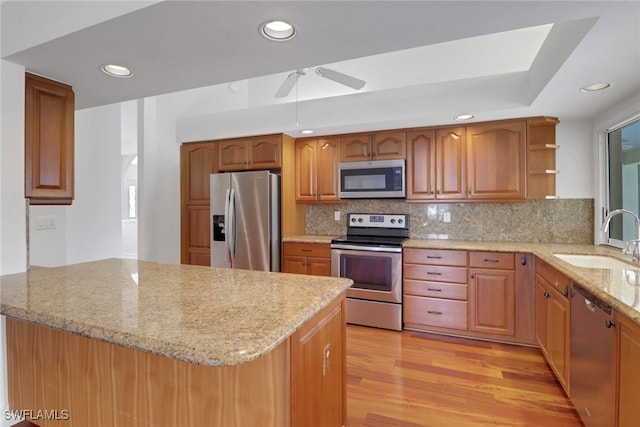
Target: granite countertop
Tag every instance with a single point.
(309, 238)
(611, 285)
(202, 315)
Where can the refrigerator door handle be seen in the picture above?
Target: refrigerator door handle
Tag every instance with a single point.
(230, 209)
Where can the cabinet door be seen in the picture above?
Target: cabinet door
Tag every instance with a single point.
(492, 296)
(496, 161)
(49, 140)
(629, 375)
(319, 266)
(198, 161)
(327, 179)
(318, 369)
(541, 314)
(450, 164)
(264, 152)
(388, 145)
(294, 264)
(306, 170)
(232, 155)
(558, 336)
(196, 244)
(421, 165)
(355, 148)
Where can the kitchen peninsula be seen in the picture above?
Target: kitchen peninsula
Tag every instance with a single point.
(124, 342)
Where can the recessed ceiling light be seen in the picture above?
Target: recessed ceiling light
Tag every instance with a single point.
(595, 86)
(306, 131)
(463, 117)
(277, 30)
(116, 71)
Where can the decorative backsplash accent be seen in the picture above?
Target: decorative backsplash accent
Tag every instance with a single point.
(537, 221)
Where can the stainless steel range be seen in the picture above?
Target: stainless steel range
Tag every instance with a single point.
(371, 255)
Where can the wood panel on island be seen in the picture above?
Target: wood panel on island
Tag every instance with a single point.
(48, 141)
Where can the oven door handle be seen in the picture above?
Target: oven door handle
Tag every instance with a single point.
(365, 248)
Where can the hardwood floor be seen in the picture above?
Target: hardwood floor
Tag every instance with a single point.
(415, 379)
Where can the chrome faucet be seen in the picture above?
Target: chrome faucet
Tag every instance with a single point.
(635, 242)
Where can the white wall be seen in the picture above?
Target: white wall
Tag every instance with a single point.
(574, 159)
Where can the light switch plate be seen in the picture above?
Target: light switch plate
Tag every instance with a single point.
(336, 215)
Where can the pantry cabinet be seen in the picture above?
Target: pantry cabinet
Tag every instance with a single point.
(48, 141)
(255, 153)
(197, 162)
(436, 164)
(496, 161)
(385, 145)
(317, 170)
(629, 373)
(306, 258)
(553, 317)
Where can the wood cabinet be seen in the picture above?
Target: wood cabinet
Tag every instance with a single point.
(628, 373)
(378, 146)
(49, 141)
(197, 161)
(436, 164)
(255, 153)
(541, 157)
(306, 258)
(553, 318)
(317, 170)
(318, 370)
(492, 293)
(496, 159)
(435, 289)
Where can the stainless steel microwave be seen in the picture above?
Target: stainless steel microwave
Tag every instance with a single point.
(377, 179)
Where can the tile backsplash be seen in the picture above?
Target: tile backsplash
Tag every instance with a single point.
(539, 221)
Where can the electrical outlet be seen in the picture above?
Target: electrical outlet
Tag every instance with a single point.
(446, 217)
(336, 215)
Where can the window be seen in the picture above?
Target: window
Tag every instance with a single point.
(623, 150)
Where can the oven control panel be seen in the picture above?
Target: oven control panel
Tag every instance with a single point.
(378, 220)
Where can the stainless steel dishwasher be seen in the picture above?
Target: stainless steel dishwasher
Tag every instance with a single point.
(592, 377)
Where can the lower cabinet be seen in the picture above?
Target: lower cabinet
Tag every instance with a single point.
(629, 373)
(553, 317)
(306, 258)
(435, 289)
(492, 293)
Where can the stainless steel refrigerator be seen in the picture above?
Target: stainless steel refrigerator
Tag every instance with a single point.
(245, 220)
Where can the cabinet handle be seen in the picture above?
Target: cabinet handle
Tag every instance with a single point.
(305, 250)
(546, 294)
(438, 192)
(490, 260)
(434, 273)
(609, 324)
(473, 275)
(373, 154)
(433, 257)
(523, 260)
(434, 290)
(434, 312)
(566, 291)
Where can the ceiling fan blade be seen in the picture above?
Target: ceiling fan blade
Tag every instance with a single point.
(341, 78)
(288, 84)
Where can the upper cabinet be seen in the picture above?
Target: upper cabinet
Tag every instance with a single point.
(541, 157)
(436, 164)
(49, 139)
(317, 170)
(378, 146)
(255, 153)
(496, 161)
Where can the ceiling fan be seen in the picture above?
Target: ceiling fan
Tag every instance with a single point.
(336, 76)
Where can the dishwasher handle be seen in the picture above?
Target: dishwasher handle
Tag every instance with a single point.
(592, 301)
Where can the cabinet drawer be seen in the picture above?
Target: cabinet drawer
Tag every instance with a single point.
(496, 260)
(456, 291)
(307, 249)
(435, 257)
(552, 276)
(435, 273)
(435, 312)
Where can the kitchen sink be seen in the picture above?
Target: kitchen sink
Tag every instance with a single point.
(595, 261)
